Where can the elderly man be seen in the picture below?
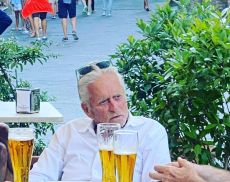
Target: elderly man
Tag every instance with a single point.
(73, 153)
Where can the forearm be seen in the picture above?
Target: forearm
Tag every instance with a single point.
(211, 174)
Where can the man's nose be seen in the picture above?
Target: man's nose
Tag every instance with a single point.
(112, 105)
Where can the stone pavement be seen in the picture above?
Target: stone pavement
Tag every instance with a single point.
(98, 38)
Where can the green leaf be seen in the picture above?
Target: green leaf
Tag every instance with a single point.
(210, 126)
(227, 122)
(191, 135)
(197, 149)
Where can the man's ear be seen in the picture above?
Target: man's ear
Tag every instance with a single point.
(86, 109)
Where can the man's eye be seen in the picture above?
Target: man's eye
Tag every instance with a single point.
(117, 97)
(104, 102)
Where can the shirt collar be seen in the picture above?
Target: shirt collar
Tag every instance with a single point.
(132, 121)
(88, 124)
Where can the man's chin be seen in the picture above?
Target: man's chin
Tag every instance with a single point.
(120, 120)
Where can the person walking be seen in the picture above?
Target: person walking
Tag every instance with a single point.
(28, 24)
(107, 7)
(90, 9)
(17, 7)
(55, 7)
(146, 5)
(37, 17)
(38, 9)
(68, 8)
(85, 8)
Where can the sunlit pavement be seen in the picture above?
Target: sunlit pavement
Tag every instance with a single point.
(98, 38)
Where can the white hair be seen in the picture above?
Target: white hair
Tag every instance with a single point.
(90, 77)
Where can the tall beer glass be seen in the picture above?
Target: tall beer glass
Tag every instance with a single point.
(21, 142)
(105, 142)
(125, 150)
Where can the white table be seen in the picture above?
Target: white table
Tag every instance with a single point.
(47, 113)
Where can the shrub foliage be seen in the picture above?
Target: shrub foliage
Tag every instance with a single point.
(13, 57)
(179, 74)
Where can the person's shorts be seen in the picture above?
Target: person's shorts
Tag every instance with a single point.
(17, 7)
(41, 15)
(66, 9)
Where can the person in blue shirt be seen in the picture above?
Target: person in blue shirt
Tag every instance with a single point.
(17, 7)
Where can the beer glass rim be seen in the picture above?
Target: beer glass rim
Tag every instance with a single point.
(125, 132)
(21, 128)
(109, 124)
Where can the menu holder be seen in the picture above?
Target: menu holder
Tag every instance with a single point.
(27, 100)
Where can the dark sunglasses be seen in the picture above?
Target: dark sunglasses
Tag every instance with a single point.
(87, 69)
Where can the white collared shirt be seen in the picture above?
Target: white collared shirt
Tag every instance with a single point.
(73, 153)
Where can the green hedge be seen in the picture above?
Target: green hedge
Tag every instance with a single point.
(179, 74)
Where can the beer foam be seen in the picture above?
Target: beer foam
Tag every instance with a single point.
(106, 147)
(125, 152)
(21, 134)
(20, 138)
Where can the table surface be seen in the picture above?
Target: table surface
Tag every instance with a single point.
(47, 113)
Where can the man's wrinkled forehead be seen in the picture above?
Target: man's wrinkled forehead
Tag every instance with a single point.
(106, 83)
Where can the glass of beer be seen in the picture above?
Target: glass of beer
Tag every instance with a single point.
(105, 133)
(21, 142)
(125, 150)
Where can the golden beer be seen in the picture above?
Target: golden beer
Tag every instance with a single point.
(21, 149)
(105, 133)
(125, 166)
(108, 166)
(125, 150)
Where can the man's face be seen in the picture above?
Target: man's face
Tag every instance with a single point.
(107, 101)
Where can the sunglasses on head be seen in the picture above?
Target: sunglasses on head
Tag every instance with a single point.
(87, 69)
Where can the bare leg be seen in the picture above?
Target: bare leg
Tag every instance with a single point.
(54, 6)
(89, 7)
(109, 8)
(17, 19)
(24, 24)
(74, 33)
(84, 11)
(104, 8)
(146, 5)
(84, 3)
(64, 26)
(44, 27)
(36, 26)
(21, 19)
(32, 26)
(74, 22)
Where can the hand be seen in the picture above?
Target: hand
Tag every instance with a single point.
(180, 171)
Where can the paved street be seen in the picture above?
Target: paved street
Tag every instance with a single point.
(98, 38)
